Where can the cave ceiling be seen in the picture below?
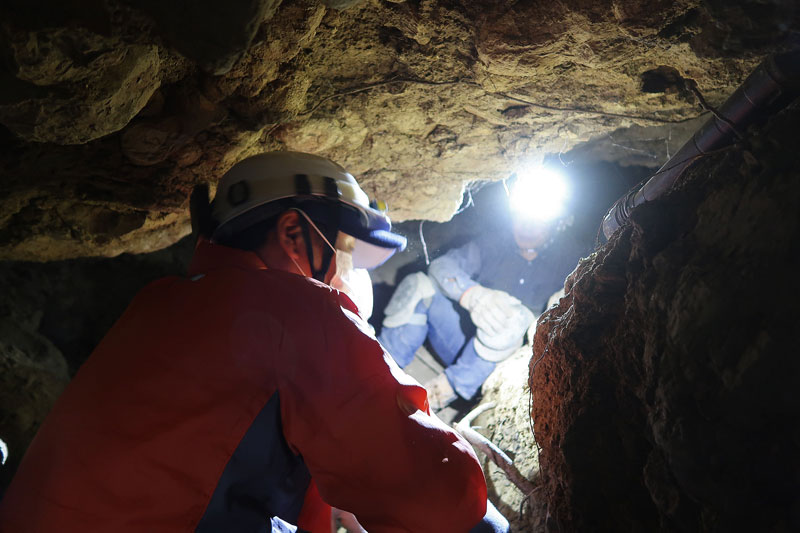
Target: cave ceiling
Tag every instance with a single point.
(111, 111)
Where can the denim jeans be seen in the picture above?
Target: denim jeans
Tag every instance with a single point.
(465, 371)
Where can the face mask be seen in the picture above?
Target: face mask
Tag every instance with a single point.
(354, 282)
(344, 267)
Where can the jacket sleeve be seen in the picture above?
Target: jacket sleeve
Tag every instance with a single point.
(366, 434)
(454, 270)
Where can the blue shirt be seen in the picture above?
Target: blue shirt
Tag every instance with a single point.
(495, 262)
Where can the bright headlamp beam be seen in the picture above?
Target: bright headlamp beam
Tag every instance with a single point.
(538, 194)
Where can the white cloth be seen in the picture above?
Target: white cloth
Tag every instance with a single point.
(354, 282)
(490, 309)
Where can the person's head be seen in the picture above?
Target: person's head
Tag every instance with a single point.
(536, 201)
(293, 209)
(530, 234)
(288, 244)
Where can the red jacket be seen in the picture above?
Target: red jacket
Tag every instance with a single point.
(213, 398)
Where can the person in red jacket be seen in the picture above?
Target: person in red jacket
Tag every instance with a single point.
(250, 395)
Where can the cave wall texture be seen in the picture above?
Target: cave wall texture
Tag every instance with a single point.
(112, 110)
(664, 383)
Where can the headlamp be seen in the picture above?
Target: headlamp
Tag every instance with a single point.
(538, 194)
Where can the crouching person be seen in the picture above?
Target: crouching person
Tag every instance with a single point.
(247, 396)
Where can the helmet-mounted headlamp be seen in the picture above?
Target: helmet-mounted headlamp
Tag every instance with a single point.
(537, 194)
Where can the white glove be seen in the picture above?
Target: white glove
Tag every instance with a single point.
(498, 346)
(489, 309)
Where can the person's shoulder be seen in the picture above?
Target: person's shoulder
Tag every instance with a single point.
(286, 281)
(313, 294)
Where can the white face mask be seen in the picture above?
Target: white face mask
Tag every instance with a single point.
(344, 267)
(354, 282)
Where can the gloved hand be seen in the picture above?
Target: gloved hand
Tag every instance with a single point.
(497, 347)
(489, 309)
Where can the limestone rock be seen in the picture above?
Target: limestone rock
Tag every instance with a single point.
(32, 375)
(33, 372)
(508, 426)
(86, 86)
(341, 4)
(269, 84)
(412, 97)
(153, 139)
(212, 34)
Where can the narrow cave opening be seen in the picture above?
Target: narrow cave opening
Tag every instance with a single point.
(594, 185)
(486, 221)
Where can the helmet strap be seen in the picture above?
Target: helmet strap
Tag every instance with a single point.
(327, 251)
(299, 268)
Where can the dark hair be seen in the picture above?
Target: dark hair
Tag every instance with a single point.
(250, 230)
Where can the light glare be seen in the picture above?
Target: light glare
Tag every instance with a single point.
(538, 194)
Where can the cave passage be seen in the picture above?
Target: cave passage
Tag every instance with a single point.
(631, 353)
(503, 239)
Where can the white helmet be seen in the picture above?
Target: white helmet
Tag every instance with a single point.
(263, 185)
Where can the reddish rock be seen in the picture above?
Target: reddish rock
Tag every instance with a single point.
(664, 383)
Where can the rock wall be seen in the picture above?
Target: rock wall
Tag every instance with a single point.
(110, 111)
(508, 425)
(664, 383)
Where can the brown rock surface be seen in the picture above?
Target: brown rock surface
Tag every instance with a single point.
(32, 375)
(33, 372)
(665, 382)
(508, 425)
(417, 98)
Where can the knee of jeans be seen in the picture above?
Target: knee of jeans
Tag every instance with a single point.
(403, 342)
(447, 347)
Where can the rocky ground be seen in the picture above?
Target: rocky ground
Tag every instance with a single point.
(508, 425)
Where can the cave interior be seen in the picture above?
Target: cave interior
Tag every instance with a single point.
(658, 394)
